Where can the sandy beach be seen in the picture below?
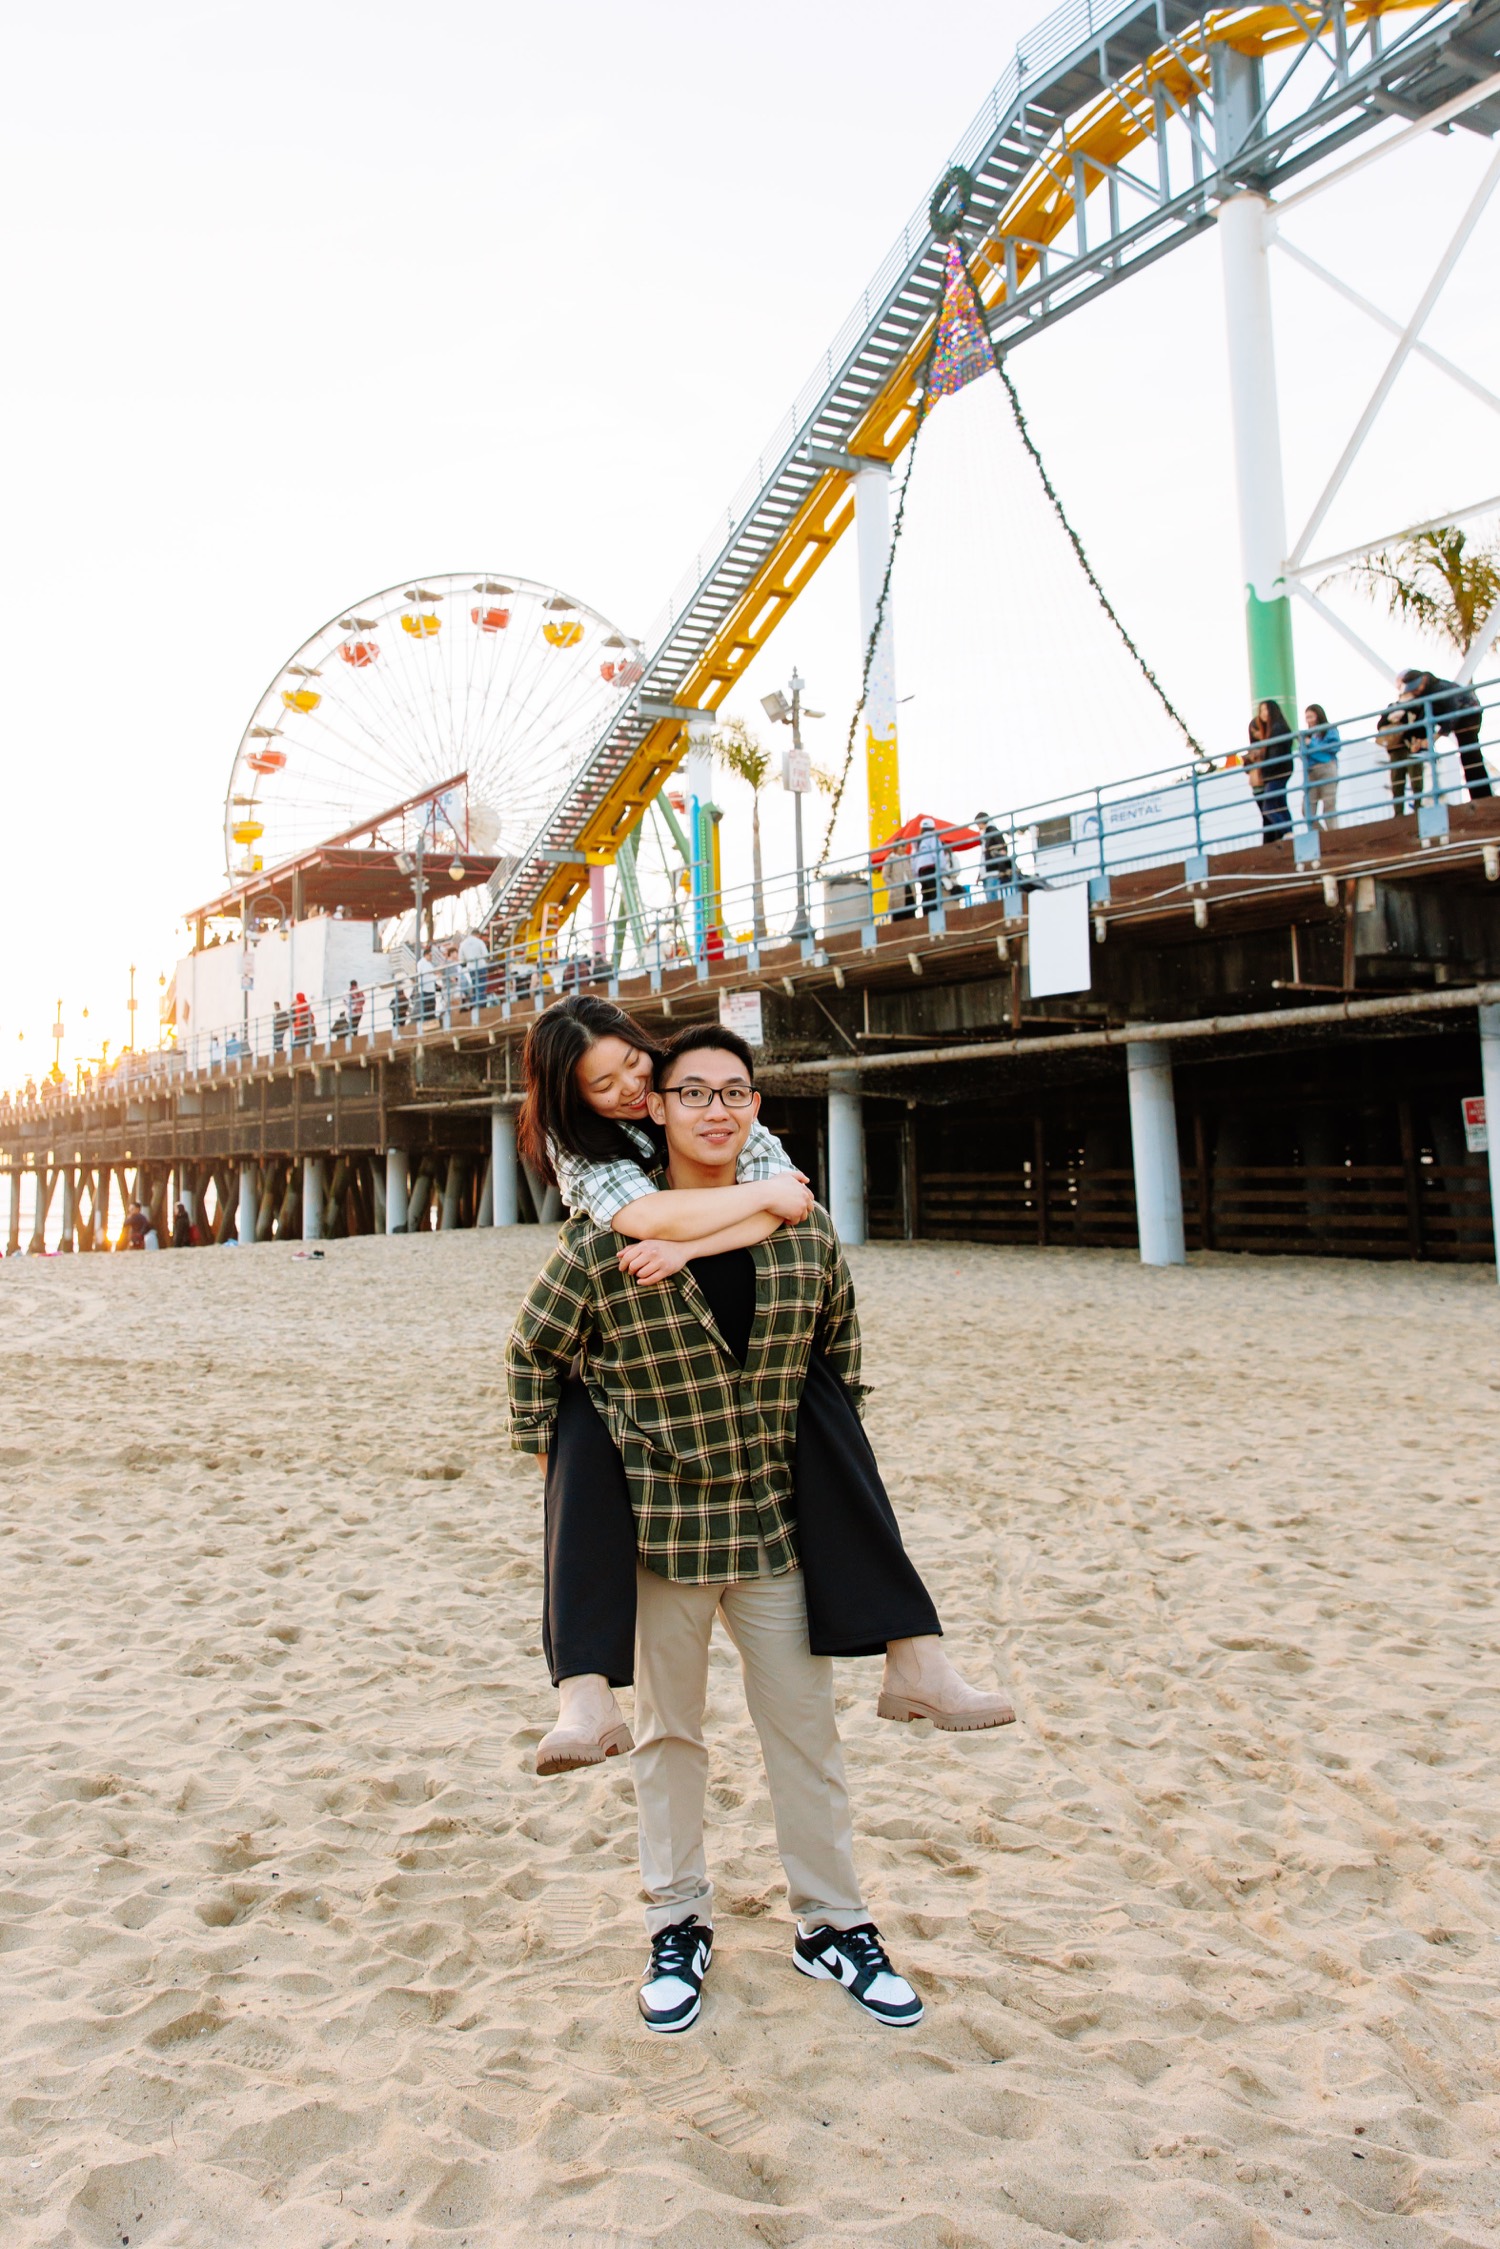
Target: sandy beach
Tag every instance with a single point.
(295, 1950)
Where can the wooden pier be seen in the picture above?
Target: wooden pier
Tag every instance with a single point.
(1320, 1022)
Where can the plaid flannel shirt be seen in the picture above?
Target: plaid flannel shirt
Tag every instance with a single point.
(600, 1189)
(706, 1443)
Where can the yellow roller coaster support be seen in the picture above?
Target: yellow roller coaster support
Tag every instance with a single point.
(1039, 210)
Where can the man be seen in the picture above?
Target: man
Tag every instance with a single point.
(1446, 708)
(698, 1379)
(997, 865)
(473, 961)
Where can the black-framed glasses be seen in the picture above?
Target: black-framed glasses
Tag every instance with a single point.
(736, 1096)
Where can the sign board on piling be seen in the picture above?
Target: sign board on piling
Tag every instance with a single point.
(1476, 1126)
(796, 773)
(741, 1012)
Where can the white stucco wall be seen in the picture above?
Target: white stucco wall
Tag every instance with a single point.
(316, 957)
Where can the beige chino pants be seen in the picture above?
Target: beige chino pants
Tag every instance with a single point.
(790, 1696)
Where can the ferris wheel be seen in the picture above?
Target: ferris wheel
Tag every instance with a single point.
(506, 680)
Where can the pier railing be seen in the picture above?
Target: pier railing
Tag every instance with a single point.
(1393, 761)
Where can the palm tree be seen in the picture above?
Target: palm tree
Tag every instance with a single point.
(1436, 581)
(750, 762)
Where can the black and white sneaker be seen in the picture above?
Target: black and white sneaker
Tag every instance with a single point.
(858, 1960)
(672, 1991)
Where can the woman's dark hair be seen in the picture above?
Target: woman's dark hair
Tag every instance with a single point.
(1317, 714)
(552, 1107)
(1272, 728)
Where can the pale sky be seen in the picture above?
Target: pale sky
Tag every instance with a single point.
(306, 301)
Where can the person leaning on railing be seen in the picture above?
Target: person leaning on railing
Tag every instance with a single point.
(1405, 745)
(1269, 762)
(1320, 769)
(1447, 708)
(996, 863)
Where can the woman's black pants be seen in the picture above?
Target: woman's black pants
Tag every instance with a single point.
(862, 1588)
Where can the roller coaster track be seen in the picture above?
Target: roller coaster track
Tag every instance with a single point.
(1235, 98)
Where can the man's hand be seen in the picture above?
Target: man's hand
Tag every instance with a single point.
(654, 1261)
(789, 1197)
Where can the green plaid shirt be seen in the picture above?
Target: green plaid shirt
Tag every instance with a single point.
(707, 1444)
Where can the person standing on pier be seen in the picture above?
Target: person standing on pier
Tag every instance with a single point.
(1269, 762)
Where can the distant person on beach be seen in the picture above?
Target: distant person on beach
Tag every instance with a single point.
(1444, 707)
(1320, 768)
(698, 1380)
(182, 1227)
(137, 1226)
(1269, 762)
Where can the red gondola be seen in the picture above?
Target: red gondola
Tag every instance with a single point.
(490, 620)
(359, 653)
(266, 761)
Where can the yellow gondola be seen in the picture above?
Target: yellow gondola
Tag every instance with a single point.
(563, 636)
(423, 626)
(247, 831)
(300, 698)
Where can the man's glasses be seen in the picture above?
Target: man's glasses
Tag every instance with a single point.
(737, 1096)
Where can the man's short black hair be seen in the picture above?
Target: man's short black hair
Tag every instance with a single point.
(700, 1037)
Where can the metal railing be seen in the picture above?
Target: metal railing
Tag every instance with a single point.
(1187, 818)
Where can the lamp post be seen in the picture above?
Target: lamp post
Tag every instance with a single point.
(796, 775)
(130, 1007)
(57, 1040)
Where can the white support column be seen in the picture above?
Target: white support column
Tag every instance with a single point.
(395, 1191)
(846, 1157)
(505, 1209)
(247, 1207)
(69, 1204)
(13, 1230)
(1244, 222)
(1153, 1141)
(872, 533)
(312, 1198)
(1489, 1064)
(452, 1188)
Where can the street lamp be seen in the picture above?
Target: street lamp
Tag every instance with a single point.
(130, 1005)
(796, 775)
(413, 863)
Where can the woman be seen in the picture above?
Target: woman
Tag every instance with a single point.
(1268, 762)
(1320, 768)
(583, 1125)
